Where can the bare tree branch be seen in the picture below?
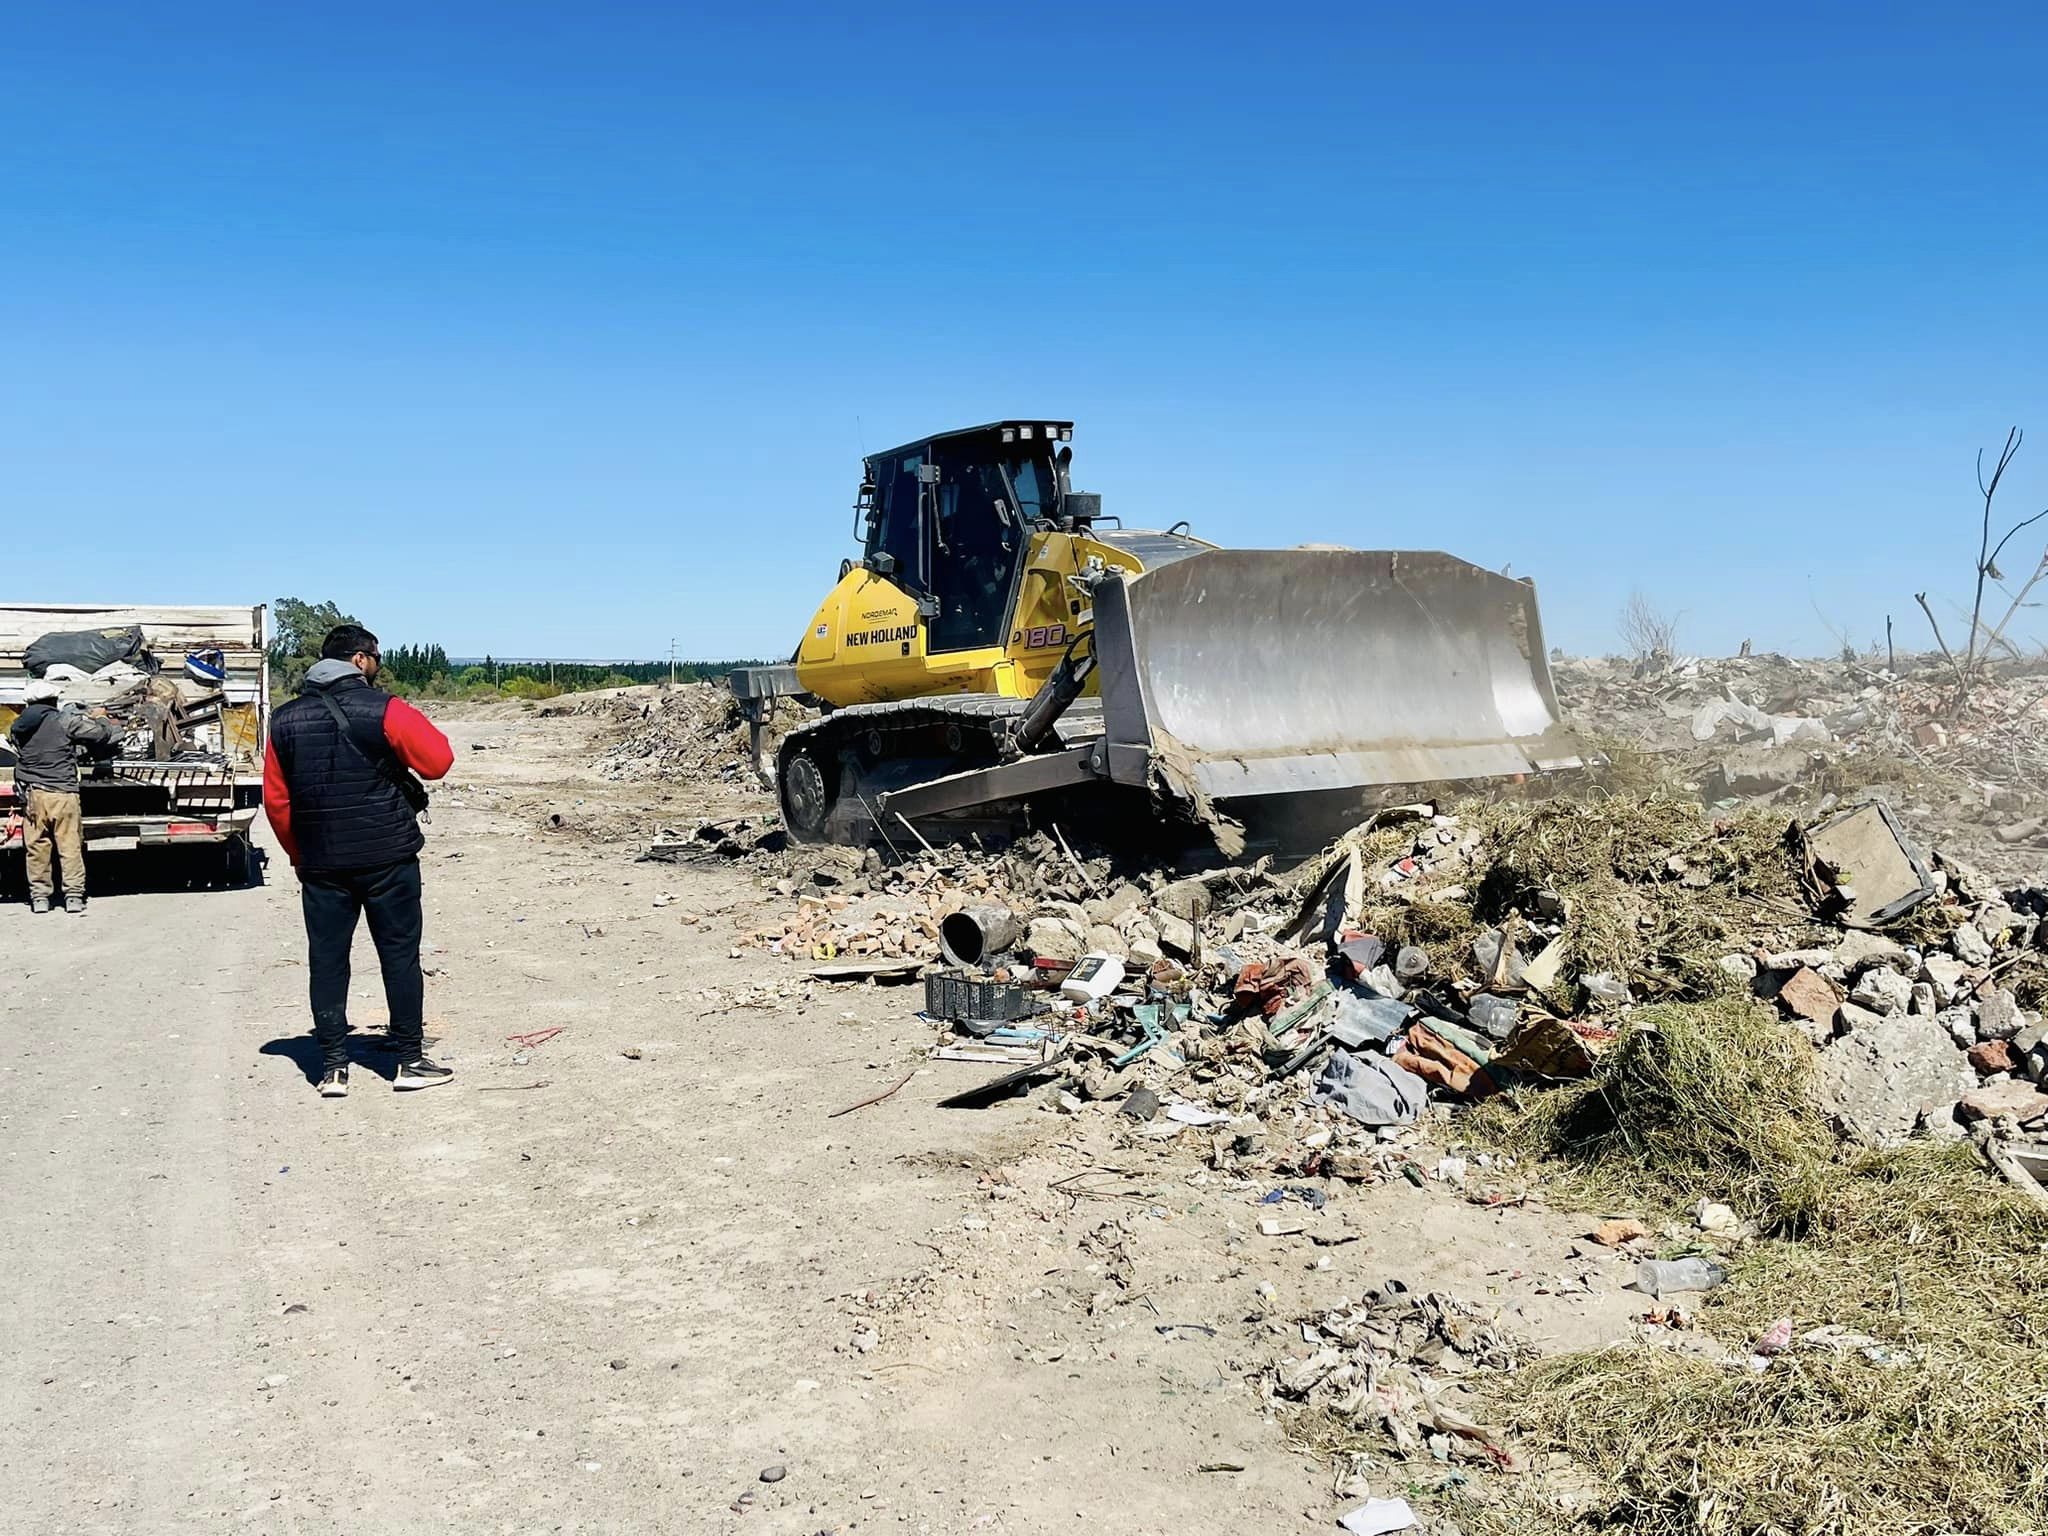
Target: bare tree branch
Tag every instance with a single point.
(2019, 600)
(1976, 650)
(1935, 625)
(2016, 527)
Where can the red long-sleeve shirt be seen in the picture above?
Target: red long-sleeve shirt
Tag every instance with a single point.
(415, 740)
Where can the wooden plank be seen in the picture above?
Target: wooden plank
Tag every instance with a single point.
(185, 629)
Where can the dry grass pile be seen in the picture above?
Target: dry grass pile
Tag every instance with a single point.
(1923, 1409)
(1928, 1412)
(1695, 1099)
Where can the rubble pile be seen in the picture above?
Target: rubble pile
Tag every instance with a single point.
(1390, 1364)
(1300, 1021)
(694, 732)
(1969, 773)
(1682, 702)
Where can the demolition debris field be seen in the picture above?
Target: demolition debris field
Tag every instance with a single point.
(1510, 1165)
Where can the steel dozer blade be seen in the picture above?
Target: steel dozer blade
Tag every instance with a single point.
(1255, 672)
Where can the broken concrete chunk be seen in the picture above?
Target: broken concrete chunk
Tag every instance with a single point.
(1849, 1016)
(1877, 1076)
(1187, 900)
(1883, 990)
(1961, 1025)
(1998, 1015)
(1991, 1057)
(1995, 919)
(1055, 938)
(1792, 959)
(1176, 933)
(1944, 975)
(1859, 950)
(1116, 906)
(1806, 994)
(1970, 945)
(1106, 940)
(1924, 1001)
(2030, 1051)
(2015, 1100)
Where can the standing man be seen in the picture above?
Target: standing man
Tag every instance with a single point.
(338, 787)
(46, 740)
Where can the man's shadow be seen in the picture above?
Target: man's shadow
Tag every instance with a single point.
(303, 1051)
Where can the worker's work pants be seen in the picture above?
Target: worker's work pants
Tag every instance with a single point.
(54, 835)
(390, 897)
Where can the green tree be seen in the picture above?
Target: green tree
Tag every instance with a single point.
(296, 629)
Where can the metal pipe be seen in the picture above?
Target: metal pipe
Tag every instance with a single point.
(971, 935)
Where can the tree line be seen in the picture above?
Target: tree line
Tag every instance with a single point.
(424, 670)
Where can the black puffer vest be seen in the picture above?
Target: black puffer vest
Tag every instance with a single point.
(345, 814)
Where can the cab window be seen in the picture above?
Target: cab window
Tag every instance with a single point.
(899, 526)
(977, 542)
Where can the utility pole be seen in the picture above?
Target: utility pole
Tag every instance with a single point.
(671, 661)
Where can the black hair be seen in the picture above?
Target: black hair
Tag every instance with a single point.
(344, 640)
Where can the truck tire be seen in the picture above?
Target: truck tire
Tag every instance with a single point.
(237, 862)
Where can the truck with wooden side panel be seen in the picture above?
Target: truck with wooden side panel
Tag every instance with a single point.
(192, 778)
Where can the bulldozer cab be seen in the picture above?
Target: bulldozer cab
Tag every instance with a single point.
(949, 519)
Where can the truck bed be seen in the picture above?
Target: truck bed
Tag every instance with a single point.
(129, 801)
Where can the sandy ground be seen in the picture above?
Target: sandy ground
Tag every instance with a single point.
(581, 1292)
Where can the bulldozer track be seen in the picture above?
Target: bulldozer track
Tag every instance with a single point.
(862, 748)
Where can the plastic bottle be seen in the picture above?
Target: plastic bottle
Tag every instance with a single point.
(1660, 1277)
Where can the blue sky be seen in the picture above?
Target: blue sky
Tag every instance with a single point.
(552, 329)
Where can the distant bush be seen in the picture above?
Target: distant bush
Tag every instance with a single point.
(530, 688)
(424, 671)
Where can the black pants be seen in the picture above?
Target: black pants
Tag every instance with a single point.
(390, 895)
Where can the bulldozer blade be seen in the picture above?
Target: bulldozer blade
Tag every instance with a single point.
(1252, 672)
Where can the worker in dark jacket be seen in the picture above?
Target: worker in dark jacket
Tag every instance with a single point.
(339, 791)
(46, 739)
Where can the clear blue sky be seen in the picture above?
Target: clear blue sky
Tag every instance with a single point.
(558, 329)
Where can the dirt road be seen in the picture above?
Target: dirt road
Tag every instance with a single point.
(582, 1290)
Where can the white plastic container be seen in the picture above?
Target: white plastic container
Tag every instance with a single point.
(1094, 977)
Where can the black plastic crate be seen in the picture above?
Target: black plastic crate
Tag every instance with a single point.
(963, 997)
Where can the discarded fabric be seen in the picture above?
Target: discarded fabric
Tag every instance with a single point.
(1371, 1089)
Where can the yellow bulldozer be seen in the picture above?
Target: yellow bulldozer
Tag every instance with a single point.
(1002, 643)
